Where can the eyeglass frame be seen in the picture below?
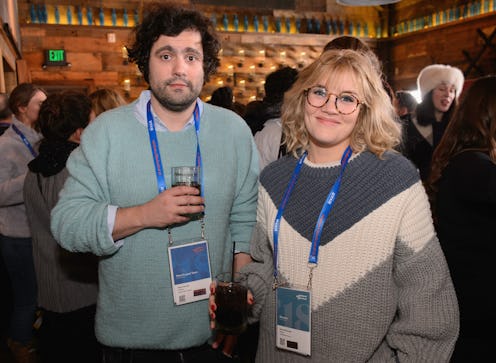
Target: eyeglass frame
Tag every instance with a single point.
(329, 94)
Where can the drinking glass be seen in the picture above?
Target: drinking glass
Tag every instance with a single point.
(232, 305)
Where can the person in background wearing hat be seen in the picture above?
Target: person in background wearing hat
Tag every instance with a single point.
(268, 139)
(440, 86)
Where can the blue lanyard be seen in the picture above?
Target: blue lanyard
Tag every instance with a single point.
(324, 213)
(157, 161)
(25, 140)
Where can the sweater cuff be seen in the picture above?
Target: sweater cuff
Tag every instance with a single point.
(259, 285)
(111, 213)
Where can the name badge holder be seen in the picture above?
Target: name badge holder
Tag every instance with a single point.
(190, 270)
(293, 322)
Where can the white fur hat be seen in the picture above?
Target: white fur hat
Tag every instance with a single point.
(432, 76)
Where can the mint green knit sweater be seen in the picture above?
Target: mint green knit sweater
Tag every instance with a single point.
(114, 166)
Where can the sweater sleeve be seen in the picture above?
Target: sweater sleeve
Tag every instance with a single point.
(13, 169)
(260, 271)
(11, 191)
(426, 325)
(85, 198)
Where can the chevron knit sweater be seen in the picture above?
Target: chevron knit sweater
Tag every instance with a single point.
(382, 291)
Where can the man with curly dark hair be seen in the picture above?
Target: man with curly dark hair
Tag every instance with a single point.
(118, 201)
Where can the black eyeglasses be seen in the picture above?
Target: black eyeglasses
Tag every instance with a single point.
(345, 103)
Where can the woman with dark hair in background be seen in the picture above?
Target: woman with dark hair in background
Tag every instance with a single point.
(462, 189)
(67, 282)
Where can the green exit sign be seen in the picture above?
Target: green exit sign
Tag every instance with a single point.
(55, 57)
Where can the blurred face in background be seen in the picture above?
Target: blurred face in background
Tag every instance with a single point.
(29, 113)
(443, 96)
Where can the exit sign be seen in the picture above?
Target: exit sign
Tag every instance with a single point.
(55, 57)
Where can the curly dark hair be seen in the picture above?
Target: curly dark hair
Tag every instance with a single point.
(170, 20)
(61, 114)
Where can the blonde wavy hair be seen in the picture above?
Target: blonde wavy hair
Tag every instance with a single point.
(376, 130)
(104, 99)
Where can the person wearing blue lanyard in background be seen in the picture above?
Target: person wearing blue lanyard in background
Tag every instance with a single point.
(347, 266)
(118, 202)
(18, 146)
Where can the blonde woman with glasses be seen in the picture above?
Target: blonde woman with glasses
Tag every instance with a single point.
(347, 266)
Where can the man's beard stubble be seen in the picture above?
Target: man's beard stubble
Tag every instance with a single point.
(172, 103)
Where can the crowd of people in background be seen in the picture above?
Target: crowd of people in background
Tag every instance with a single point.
(50, 294)
(377, 207)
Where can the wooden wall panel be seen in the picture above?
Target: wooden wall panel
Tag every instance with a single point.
(87, 62)
(93, 60)
(102, 79)
(403, 56)
(89, 53)
(407, 9)
(409, 53)
(7, 60)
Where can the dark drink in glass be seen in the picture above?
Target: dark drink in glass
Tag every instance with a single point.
(187, 176)
(188, 184)
(232, 306)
